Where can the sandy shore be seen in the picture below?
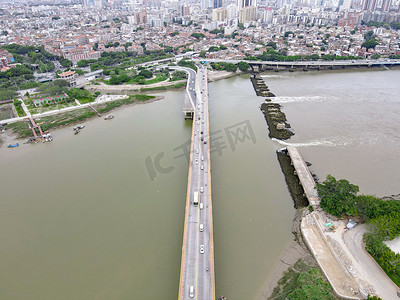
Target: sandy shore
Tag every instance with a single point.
(219, 75)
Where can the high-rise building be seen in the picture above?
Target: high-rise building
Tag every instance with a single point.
(232, 11)
(246, 3)
(386, 5)
(248, 14)
(218, 3)
(98, 3)
(344, 4)
(369, 5)
(219, 14)
(185, 10)
(206, 4)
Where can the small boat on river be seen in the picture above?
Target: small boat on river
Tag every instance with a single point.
(13, 145)
(79, 127)
(109, 117)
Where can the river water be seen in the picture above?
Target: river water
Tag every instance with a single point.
(347, 124)
(94, 216)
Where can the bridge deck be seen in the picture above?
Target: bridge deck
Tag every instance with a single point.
(197, 263)
(304, 174)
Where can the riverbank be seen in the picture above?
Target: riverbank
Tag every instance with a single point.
(135, 88)
(219, 75)
(296, 250)
(20, 130)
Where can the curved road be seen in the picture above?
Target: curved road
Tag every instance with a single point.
(366, 265)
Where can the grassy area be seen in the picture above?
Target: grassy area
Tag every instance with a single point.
(163, 88)
(302, 282)
(84, 101)
(159, 78)
(20, 128)
(18, 108)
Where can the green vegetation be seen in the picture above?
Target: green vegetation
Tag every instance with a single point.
(272, 45)
(383, 218)
(178, 75)
(393, 25)
(163, 88)
(340, 197)
(22, 128)
(54, 87)
(337, 197)
(384, 228)
(159, 78)
(369, 44)
(185, 62)
(370, 40)
(197, 35)
(243, 66)
(272, 55)
(302, 282)
(287, 33)
(18, 108)
(83, 96)
(224, 66)
(213, 49)
(7, 94)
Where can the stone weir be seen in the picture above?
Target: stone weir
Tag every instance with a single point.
(260, 87)
(278, 126)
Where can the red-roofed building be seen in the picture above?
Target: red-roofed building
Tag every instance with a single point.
(69, 76)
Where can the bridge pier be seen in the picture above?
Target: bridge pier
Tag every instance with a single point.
(188, 115)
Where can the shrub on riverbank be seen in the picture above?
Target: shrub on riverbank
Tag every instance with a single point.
(384, 228)
(340, 197)
(302, 282)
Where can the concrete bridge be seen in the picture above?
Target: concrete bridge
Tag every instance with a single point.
(197, 279)
(258, 66)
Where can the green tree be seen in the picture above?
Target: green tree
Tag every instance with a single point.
(369, 44)
(272, 45)
(337, 196)
(197, 35)
(375, 56)
(65, 62)
(146, 73)
(82, 63)
(230, 67)
(243, 66)
(287, 33)
(213, 49)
